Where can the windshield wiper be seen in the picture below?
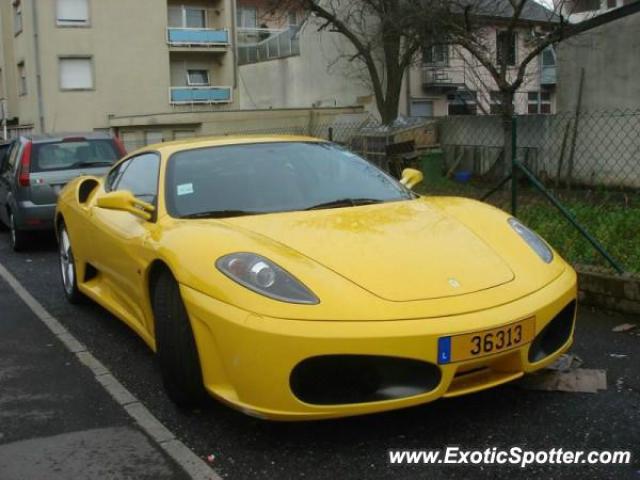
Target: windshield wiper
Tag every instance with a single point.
(220, 214)
(346, 202)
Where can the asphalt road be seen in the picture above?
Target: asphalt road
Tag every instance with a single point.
(56, 421)
(247, 448)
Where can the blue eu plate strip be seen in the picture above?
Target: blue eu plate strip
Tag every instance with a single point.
(444, 350)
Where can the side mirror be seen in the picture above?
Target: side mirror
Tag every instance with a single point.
(125, 201)
(411, 177)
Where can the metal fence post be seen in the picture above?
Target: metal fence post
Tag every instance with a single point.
(514, 171)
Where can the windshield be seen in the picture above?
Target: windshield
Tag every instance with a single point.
(273, 177)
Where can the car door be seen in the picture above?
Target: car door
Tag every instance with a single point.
(120, 238)
(7, 176)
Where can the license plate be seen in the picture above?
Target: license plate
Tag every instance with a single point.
(458, 348)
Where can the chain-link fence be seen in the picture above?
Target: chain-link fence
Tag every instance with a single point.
(589, 162)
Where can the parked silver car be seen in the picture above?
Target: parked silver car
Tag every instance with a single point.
(37, 167)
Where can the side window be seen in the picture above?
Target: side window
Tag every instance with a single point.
(114, 175)
(140, 177)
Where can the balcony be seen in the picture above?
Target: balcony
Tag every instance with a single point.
(190, 39)
(261, 44)
(443, 78)
(200, 95)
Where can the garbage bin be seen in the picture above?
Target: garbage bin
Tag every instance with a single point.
(432, 166)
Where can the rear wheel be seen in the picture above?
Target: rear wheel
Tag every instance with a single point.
(17, 238)
(176, 346)
(68, 266)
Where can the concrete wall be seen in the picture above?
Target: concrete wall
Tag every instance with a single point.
(7, 61)
(607, 146)
(137, 129)
(609, 56)
(306, 80)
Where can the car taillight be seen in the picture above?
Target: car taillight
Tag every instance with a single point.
(120, 147)
(25, 166)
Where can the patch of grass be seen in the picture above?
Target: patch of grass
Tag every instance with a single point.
(615, 227)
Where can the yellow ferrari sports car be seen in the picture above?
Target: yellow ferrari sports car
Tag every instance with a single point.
(294, 280)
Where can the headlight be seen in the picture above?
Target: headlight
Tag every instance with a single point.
(533, 239)
(265, 277)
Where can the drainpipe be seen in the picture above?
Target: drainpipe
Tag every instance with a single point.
(36, 43)
(234, 36)
(408, 74)
(4, 119)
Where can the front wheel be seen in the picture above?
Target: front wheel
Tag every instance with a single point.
(176, 346)
(68, 266)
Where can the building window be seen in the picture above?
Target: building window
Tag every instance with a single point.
(539, 102)
(22, 79)
(187, 17)
(195, 17)
(247, 17)
(436, 55)
(581, 6)
(422, 108)
(72, 12)
(17, 17)
(495, 107)
(293, 18)
(198, 78)
(506, 43)
(76, 73)
(463, 103)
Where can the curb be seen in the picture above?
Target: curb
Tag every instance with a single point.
(620, 293)
(193, 465)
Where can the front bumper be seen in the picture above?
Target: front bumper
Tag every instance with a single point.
(247, 360)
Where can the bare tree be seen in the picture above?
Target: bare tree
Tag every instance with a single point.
(386, 36)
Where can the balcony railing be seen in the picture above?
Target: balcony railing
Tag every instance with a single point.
(261, 44)
(195, 95)
(443, 76)
(197, 37)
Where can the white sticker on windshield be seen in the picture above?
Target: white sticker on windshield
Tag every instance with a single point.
(185, 189)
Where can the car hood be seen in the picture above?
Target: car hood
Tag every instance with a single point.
(401, 251)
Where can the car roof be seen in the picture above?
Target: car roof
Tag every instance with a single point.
(58, 137)
(221, 141)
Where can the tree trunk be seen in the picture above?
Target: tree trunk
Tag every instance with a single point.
(391, 103)
(508, 112)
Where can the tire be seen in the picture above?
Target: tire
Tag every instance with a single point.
(17, 238)
(68, 270)
(175, 345)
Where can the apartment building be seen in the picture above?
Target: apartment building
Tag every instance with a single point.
(450, 81)
(580, 10)
(77, 64)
